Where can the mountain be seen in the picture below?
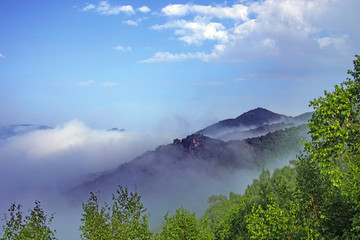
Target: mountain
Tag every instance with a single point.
(254, 132)
(251, 119)
(116, 130)
(20, 129)
(189, 170)
(303, 118)
(254, 123)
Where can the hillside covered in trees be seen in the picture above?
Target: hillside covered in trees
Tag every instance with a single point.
(317, 197)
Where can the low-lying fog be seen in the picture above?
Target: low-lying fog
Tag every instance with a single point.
(41, 165)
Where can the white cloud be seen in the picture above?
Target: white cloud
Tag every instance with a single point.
(63, 155)
(170, 57)
(175, 10)
(123, 49)
(105, 8)
(130, 22)
(269, 29)
(2, 55)
(336, 42)
(88, 7)
(269, 43)
(197, 31)
(86, 83)
(108, 84)
(236, 12)
(144, 9)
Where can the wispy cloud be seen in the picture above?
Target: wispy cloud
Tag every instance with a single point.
(2, 55)
(236, 12)
(131, 22)
(170, 57)
(105, 8)
(88, 7)
(336, 42)
(86, 83)
(123, 49)
(108, 84)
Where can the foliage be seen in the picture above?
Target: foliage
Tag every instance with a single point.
(335, 144)
(33, 226)
(276, 145)
(124, 219)
(276, 222)
(335, 133)
(183, 225)
(320, 197)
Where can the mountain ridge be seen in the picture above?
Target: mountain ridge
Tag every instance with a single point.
(190, 169)
(250, 121)
(20, 129)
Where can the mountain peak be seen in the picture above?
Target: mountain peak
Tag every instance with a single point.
(259, 116)
(253, 118)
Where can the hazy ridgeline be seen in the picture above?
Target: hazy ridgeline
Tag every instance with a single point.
(60, 166)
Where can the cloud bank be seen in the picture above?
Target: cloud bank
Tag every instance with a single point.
(268, 29)
(53, 159)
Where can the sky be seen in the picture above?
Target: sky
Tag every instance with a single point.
(157, 65)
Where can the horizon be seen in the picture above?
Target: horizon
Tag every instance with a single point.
(110, 128)
(139, 65)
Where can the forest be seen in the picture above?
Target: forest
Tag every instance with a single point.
(316, 197)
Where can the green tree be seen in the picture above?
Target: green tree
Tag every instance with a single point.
(33, 226)
(277, 222)
(183, 225)
(265, 193)
(123, 219)
(335, 143)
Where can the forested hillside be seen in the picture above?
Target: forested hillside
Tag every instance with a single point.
(317, 197)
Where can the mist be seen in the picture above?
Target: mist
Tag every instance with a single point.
(60, 166)
(41, 164)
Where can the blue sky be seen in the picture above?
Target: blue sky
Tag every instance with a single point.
(148, 64)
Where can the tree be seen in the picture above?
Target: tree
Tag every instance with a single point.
(335, 142)
(335, 132)
(123, 219)
(183, 225)
(33, 226)
(278, 222)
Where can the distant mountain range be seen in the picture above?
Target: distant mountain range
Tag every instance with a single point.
(116, 130)
(20, 129)
(189, 170)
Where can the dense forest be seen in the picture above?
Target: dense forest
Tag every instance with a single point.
(316, 197)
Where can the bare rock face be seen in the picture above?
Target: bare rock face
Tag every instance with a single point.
(196, 143)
